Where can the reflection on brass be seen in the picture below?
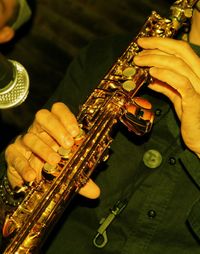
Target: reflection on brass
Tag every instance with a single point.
(110, 102)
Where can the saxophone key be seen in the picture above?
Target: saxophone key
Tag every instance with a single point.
(50, 171)
(64, 153)
(129, 85)
(80, 137)
(129, 72)
(9, 226)
(142, 103)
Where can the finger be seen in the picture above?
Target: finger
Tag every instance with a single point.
(37, 164)
(17, 162)
(40, 148)
(51, 124)
(178, 82)
(19, 146)
(152, 52)
(44, 136)
(169, 62)
(164, 88)
(163, 61)
(14, 178)
(170, 92)
(90, 190)
(180, 48)
(66, 117)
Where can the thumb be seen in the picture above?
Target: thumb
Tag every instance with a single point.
(90, 190)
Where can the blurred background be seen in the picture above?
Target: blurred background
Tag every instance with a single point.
(55, 35)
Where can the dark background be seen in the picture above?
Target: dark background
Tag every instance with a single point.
(56, 33)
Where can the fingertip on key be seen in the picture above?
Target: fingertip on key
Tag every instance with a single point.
(54, 158)
(30, 175)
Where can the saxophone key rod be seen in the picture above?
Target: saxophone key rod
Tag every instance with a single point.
(103, 109)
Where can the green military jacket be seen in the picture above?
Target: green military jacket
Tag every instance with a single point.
(155, 177)
(162, 213)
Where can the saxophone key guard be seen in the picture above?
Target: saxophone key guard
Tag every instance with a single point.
(138, 116)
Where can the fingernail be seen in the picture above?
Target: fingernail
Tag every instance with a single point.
(137, 59)
(68, 142)
(152, 70)
(54, 158)
(74, 131)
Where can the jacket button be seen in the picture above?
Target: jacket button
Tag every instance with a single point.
(151, 214)
(158, 112)
(152, 158)
(172, 161)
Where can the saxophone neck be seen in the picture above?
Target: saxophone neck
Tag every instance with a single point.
(181, 11)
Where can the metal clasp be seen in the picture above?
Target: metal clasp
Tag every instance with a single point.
(101, 239)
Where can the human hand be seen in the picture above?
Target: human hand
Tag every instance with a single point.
(176, 72)
(28, 154)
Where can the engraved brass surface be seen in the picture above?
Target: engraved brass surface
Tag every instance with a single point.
(109, 103)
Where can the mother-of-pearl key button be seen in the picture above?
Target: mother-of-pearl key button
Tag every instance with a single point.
(129, 71)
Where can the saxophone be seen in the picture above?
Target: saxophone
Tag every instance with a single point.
(113, 100)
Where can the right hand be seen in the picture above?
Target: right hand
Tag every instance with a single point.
(175, 69)
(28, 154)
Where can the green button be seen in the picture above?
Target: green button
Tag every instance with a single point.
(152, 158)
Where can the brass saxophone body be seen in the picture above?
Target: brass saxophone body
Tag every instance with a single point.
(113, 100)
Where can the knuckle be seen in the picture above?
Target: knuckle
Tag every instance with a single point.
(184, 44)
(185, 81)
(179, 63)
(28, 139)
(41, 114)
(9, 150)
(19, 164)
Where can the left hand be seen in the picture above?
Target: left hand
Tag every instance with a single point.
(27, 155)
(176, 71)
